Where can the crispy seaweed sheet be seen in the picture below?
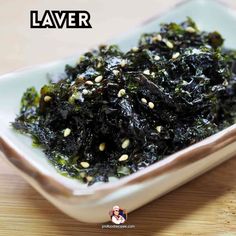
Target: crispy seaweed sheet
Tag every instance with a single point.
(115, 112)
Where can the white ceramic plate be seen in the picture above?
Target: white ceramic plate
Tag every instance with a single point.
(92, 204)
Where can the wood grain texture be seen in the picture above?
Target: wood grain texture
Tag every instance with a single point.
(204, 206)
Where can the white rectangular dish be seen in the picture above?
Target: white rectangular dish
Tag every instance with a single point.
(92, 204)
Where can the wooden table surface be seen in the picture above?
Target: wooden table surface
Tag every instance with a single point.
(204, 206)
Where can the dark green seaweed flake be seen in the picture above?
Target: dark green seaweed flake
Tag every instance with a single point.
(115, 113)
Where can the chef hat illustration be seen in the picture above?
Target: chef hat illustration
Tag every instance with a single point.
(116, 208)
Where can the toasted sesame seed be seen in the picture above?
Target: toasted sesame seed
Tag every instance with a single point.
(89, 178)
(169, 44)
(190, 29)
(144, 100)
(125, 143)
(134, 49)
(102, 147)
(88, 82)
(123, 157)
(184, 82)
(85, 91)
(98, 79)
(115, 72)
(121, 93)
(157, 58)
(225, 83)
(151, 105)
(146, 72)
(67, 132)
(159, 128)
(84, 164)
(175, 55)
(47, 98)
(153, 74)
(73, 83)
(157, 38)
(99, 65)
(123, 63)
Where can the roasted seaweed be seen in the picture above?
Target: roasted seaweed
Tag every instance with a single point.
(115, 112)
